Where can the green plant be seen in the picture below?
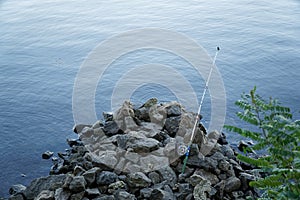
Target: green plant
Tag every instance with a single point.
(279, 136)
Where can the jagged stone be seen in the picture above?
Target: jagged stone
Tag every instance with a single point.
(47, 154)
(77, 184)
(173, 109)
(106, 178)
(112, 128)
(138, 180)
(172, 125)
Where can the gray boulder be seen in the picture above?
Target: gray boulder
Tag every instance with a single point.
(232, 184)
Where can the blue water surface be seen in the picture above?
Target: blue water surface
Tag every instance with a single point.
(43, 44)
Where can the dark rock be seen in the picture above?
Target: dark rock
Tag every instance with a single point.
(245, 179)
(45, 195)
(232, 184)
(227, 151)
(106, 178)
(242, 145)
(92, 192)
(138, 180)
(16, 189)
(122, 141)
(161, 136)
(172, 125)
(108, 116)
(173, 110)
(78, 128)
(77, 184)
(45, 183)
(142, 114)
(47, 154)
(111, 128)
(222, 139)
(74, 142)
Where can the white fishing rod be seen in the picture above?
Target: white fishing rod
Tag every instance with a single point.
(187, 151)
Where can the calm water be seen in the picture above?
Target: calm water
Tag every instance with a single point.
(43, 44)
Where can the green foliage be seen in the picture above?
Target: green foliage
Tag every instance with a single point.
(279, 136)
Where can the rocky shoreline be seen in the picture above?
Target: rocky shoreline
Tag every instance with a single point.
(138, 153)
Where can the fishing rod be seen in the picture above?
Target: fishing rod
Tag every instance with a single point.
(187, 151)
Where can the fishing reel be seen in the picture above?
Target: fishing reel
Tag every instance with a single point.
(182, 150)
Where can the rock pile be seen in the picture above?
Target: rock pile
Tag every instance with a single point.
(138, 153)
